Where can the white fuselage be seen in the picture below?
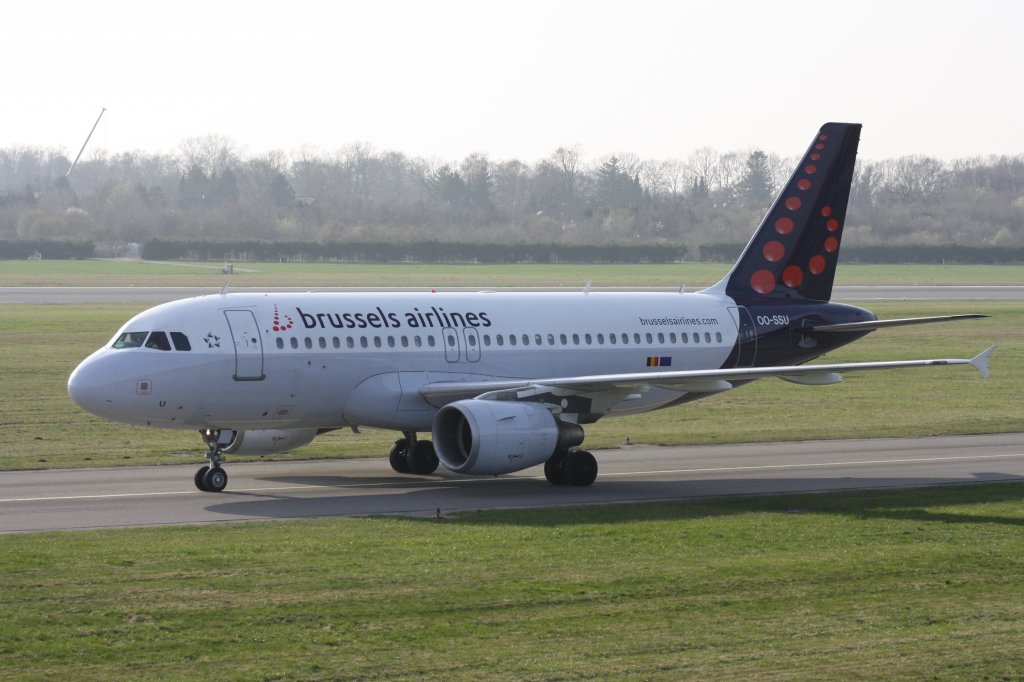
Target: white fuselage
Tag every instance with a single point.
(326, 360)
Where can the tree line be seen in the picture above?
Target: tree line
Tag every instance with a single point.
(208, 190)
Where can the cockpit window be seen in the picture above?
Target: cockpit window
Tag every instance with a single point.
(158, 340)
(130, 340)
(180, 341)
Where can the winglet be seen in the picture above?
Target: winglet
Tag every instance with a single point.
(981, 361)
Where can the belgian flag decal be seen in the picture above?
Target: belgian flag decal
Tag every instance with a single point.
(654, 361)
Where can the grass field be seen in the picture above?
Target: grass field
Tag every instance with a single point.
(918, 584)
(42, 428)
(145, 273)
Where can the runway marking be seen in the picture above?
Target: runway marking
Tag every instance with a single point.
(623, 474)
(812, 465)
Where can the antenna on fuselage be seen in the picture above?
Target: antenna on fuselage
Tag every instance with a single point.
(224, 289)
(586, 287)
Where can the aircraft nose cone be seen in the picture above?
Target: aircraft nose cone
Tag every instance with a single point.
(87, 385)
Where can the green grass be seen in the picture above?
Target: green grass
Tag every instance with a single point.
(918, 584)
(692, 275)
(42, 428)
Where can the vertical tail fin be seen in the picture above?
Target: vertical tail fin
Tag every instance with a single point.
(793, 254)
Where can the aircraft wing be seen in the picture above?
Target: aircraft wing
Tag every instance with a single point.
(696, 381)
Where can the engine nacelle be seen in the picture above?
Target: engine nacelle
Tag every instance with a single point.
(498, 436)
(268, 441)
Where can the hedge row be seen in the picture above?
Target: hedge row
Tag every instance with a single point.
(946, 254)
(447, 252)
(63, 250)
(425, 252)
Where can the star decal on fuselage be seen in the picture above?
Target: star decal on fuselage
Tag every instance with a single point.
(212, 340)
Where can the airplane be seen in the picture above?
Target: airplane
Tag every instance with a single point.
(501, 381)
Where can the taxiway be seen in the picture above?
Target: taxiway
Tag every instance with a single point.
(163, 495)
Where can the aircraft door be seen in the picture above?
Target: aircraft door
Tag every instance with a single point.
(746, 338)
(245, 335)
(452, 349)
(471, 337)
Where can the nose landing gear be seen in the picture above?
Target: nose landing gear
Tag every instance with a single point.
(212, 478)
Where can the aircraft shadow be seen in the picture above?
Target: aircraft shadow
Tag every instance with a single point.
(901, 498)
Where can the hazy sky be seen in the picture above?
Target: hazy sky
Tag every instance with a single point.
(444, 78)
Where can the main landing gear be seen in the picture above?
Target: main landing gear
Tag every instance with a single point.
(212, 478)
(576, 467)
(411, 456)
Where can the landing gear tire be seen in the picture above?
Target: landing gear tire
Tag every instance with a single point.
(422, 459)
(399, 456)
(554, 468)
(580, 468)
(215, 479)
(211, 478)
(201, 478)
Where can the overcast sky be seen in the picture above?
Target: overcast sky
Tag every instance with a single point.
(444, 78)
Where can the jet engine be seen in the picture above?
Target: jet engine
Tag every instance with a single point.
(268, 441)
(499, 437)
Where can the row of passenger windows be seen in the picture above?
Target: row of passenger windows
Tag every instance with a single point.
(155, 340)
(501, 340)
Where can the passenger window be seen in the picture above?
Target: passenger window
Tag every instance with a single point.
(672, 338)
(625, 338)
(430, 341)
(611, 339)
(451, 340)
(661, 337)
(417, 341)
(511, 339)
(696, 337)
(158, 341)
(363, 342)
(350, 342)
(130, 340)
(323, 342)
(180, 341)
(551, 339)
(309, 342)
(405, 342)
(588, 339)
(707, 337)
(280, 342)
(500, 339)
(336, 342)
(538, 339)
(526, 339)
(565, 341)
(684, 338)
(295, 342)
(575, 339)
(487, 340)
(636, 339)
(718, 337)
(376, 342)
(471, 341)
(650, 339)
(391, 342)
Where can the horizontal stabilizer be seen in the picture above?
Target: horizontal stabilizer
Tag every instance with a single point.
(882, 324)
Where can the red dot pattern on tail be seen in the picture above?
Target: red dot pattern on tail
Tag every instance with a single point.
(764, 281)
